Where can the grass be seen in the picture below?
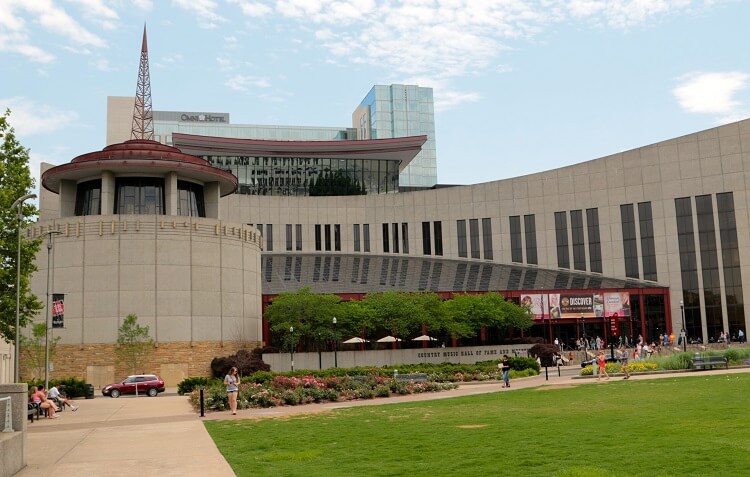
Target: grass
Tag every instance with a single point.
(687, 426)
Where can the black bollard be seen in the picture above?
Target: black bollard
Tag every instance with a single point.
(202, 408)
(558, 371)
(546, 374)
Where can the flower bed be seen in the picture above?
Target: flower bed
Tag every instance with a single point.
(293, 391)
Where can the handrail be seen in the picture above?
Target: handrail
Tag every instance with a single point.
(8, 427)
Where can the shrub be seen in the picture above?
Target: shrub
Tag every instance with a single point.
(246, 362)
(677, 361)
(73, 387)
(187, 385)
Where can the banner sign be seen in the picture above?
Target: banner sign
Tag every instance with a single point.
(58, 310)
(576, 305)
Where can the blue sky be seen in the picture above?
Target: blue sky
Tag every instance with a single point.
(519, 86)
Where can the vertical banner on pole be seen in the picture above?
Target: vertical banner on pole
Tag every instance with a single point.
(58, 310)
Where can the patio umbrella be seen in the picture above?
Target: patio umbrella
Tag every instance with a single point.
(388, 339)
(424, 338)
(355, 340)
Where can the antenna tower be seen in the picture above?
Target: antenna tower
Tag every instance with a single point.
(143, 117)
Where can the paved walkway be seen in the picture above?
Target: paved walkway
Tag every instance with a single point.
(163, 436)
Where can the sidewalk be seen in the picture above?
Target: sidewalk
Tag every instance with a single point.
(163, 436)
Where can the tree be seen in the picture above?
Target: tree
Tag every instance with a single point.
(34, 349)
(134, 344)
(15, 182)
(396, 312)
(310, 314)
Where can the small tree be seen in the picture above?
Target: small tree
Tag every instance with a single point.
(15, 181)
(134, 344)
(33, 349)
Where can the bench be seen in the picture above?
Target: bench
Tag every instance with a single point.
(415, 377)
(701, 362)
(33, 411)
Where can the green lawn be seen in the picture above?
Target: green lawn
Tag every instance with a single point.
(685, 426)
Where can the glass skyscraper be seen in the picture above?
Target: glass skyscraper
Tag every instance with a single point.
(397, 110)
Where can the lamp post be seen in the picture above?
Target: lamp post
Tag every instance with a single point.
(683, 332)
(585, 341)
(291, 351)
(335, 345)
(48, 312)
(18, 204)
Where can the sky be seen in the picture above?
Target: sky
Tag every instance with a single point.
(520, 86)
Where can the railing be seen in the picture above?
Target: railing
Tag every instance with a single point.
(8, 427)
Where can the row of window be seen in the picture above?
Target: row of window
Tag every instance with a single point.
(140, 195)
(710, 267)
(474, 235)
(577, 238)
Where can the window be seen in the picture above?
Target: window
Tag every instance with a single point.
(337, 237)
(318, 238)
(730, 257)
(438, 232)
(487, 238)
(289, 237)
(629, 243)
(190, 199)
(269, 237)
(405, 237)
(366, 233)
(648, 249)
(516, 251)
(688, 266)
(579, 248)
(395, 237)
(461, 235)
(327, 235)
(529, 224)
(139, 195)
(474, 237)
(710, 264)
(88, 198)
(561, 234)
(426, 242)
(386, 239)
(355, 232)
(595, 246)
(298, 237)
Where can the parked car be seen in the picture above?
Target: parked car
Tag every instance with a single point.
(149, 384)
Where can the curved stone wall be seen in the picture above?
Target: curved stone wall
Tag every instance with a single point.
(192, 281)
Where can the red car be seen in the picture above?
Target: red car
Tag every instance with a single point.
(149, 384)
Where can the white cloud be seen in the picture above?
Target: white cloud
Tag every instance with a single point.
(712, 93)
(30, 118)
(19, 43)
(102, 64)
(206, 10)
(146, 5)
(98, 12)
(245, 82)
(253, 9)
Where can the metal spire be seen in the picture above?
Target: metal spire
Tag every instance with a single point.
(143, 118)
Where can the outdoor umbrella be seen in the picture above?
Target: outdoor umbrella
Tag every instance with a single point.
(388, 339)
(355, 340)
(424, 338)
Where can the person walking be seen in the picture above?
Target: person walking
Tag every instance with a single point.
(602, 362)
(232, 381)
(505, 367)
(624, 361)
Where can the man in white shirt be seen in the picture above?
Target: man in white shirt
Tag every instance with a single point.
(57, 396)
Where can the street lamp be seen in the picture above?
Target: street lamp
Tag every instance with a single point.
(585, 341)
(291, 332)
(683, 332)
(335, 346)
(48, 312)
(18, 204)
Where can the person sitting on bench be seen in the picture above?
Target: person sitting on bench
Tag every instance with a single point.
(60, 398)
(40, 397)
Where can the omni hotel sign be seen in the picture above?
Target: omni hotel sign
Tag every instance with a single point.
(204, 117)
